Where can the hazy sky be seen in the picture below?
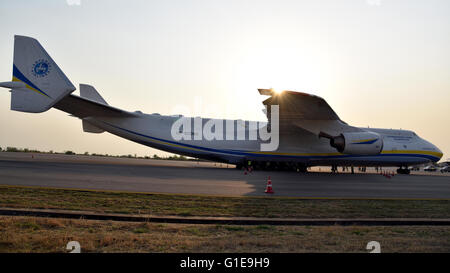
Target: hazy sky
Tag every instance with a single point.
(378, 63)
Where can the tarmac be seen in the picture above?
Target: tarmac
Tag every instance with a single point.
(208, 178)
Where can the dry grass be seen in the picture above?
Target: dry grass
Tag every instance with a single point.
(29, 234)
(187, 205)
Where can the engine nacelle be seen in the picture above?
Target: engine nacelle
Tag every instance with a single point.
(360, 143)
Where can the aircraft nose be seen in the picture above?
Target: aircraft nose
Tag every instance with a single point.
(437, 153)
(440, 154)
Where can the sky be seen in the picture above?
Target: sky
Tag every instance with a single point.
(378, 63)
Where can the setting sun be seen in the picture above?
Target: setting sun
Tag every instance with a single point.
(277, 91)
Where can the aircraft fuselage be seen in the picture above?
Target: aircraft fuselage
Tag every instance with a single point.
(401, 147)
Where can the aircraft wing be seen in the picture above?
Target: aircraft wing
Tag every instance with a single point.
(305, 111)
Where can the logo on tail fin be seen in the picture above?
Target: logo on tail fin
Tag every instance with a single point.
(41, 68)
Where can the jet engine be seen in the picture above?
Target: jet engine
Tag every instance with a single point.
(358, 143)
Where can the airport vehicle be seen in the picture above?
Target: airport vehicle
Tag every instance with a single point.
(310, 132)
(430, 168)
(445, 169)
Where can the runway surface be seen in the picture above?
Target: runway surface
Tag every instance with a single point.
(163, 176)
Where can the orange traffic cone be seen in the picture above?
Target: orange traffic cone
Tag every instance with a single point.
(269, 186)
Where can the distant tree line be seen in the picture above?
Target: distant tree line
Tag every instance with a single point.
(155, 156)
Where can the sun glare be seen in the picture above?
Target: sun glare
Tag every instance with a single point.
(277, 91)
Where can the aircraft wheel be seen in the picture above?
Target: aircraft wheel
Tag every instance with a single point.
(302, 168)
(403, 171)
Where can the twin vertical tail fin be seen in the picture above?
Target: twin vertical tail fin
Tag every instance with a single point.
(89, 92)
(38, 83)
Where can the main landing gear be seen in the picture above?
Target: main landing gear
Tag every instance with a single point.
(402, 170)
(273, 166)
(302, 168)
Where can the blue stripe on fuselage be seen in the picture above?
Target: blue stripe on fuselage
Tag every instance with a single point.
(245, 153)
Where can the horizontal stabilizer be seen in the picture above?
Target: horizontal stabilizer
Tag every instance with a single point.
(84, 108)
(12, 85)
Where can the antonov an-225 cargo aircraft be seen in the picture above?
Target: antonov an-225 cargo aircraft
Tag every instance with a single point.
(310, 133)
